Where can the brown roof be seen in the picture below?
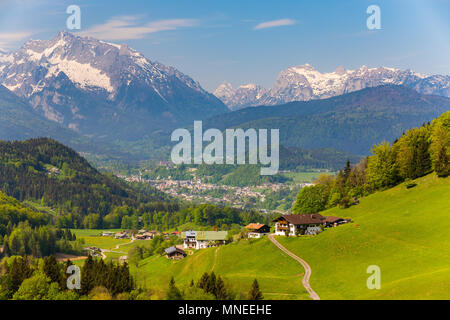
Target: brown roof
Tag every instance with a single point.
(297, 219)
(254, 226)
(332, 219)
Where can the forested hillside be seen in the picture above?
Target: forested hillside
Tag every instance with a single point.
(49, 172)
(418, 152)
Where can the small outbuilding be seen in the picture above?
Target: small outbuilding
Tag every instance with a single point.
(175, 253)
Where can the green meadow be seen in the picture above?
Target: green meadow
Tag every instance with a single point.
(403, 231)
(240, 263)
(304, 177)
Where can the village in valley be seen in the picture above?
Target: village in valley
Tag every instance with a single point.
(199, 189)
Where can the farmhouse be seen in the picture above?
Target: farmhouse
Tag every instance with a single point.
(175, 253)
(122, 235)
(305, 223)
(144, 236)
(298, 224)
(204, 239)
(257, 230)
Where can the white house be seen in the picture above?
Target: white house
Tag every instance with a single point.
(203, 239)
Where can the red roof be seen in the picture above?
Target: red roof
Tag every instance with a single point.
(254, 226)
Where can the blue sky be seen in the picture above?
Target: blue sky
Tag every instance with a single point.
(242, 41)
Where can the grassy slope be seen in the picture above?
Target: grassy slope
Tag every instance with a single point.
(404, 232)
(278, 275)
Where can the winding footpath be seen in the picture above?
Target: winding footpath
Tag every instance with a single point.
(102, 251)
(305, 280)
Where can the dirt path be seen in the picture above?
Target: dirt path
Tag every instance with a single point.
(215, 259)
(102, 251)
(305, 280)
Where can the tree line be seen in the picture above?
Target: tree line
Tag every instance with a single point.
(210, 287)
(24, 278)
(24, 240)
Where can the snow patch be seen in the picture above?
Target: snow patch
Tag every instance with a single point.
(84, 74)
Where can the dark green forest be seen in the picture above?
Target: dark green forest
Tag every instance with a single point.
(49, 172)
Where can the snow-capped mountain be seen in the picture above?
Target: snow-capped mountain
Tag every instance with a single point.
(241, 96)
(93, 86)
(303, 83)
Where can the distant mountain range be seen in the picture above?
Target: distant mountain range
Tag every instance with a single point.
(108, 99)
(352, 122)
(102, 89)
(304, 83)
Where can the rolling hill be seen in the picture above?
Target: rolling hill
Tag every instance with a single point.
(278, 275)
(403, 231)
(45, 170)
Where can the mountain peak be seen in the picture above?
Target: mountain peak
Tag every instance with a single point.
(340, 70)
(78, 81)
(305, 66)
(63, 34)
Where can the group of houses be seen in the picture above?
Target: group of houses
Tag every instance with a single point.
(295, 224)
(140, 235)
(291, 225)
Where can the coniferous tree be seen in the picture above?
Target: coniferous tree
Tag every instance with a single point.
(255, 293)
(173, 293)
(88, 276)
(347, 170)
(204, 281)
(211, 286)
(52, 269)
(19, 270)
(220, 290)
(6, 250)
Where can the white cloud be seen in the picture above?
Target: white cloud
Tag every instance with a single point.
(128, 27)
(9, 39)
(275, 23)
